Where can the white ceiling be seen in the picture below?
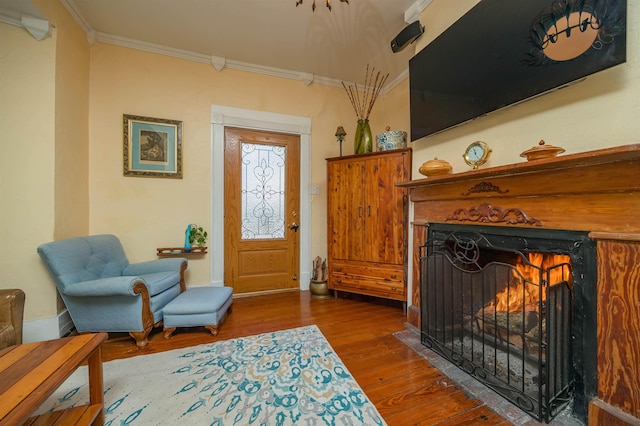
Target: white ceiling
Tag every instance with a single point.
(272, 34)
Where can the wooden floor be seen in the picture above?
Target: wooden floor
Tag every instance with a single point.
(405, 388)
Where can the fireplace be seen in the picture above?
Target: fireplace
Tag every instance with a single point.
(508, 307)
(564, 232)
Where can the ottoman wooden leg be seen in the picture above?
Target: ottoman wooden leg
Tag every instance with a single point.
(168, 332)
(213, 329)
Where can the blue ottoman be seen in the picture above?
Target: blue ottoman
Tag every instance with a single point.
(197, 307)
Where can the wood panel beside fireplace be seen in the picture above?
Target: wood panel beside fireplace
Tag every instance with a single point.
(596, 192)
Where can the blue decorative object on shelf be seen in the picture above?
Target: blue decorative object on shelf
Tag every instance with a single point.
(187, 243)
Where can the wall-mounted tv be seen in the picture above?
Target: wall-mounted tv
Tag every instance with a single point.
(502, 52)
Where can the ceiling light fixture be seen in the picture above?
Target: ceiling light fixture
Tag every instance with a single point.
(313, 5)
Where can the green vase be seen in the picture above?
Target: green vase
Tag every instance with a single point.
(363, 141)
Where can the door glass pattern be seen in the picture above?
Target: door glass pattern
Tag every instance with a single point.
(263, 191)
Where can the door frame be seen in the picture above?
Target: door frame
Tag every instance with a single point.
(223, 116)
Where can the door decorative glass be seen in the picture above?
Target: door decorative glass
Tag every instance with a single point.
(263, 191)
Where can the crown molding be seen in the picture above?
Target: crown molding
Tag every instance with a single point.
(10, 17)
(218, 62)
(38, 28)
(415, 10)
(73, 10)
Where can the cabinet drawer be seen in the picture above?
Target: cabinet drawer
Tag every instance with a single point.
(385, 273)
(373, 287)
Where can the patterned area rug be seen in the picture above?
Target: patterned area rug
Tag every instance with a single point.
(290, 377)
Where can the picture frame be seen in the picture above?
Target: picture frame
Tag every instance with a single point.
(152, 147)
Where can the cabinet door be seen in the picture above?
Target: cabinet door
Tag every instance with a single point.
(384, 235)
(345, 209)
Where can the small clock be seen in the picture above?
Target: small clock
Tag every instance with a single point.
(477, 154)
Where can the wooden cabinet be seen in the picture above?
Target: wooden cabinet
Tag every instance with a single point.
(366, 219)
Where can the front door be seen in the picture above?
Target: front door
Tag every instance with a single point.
(261, 198)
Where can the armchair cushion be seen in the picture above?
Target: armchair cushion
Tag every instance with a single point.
(151, 266)
(83, 259)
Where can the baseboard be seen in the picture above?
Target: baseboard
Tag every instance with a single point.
(40, 329)
(47, 328)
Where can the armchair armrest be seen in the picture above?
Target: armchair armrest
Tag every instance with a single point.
(12, 310)
(158, 265)
(113, 286)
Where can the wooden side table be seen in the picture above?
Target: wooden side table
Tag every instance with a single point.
(29, 373)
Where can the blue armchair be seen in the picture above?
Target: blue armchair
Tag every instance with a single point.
(104, 292)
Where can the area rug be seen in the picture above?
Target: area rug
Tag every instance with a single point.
(290, 377)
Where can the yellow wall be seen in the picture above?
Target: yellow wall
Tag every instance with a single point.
(602, 111)
(392, 110)
(147, 213)
(71, 125)
(43, 152)
(27, 147)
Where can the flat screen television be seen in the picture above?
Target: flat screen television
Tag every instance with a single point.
(502, 52)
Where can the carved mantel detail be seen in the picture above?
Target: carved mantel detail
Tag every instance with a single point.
(485, 187)
(486, 213)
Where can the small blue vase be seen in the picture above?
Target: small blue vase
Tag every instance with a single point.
(187, 243)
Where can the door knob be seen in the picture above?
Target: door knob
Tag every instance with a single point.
(294, 226)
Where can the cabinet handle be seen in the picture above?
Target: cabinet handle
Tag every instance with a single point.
(339, 281)
(359, 211)
(369, 211)
(394, 288)
(394, 276)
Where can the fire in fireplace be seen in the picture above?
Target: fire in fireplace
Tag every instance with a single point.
(514, 309)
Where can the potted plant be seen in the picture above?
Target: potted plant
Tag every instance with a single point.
(318, 285)
(197, 235)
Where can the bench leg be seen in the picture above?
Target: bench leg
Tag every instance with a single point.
(213, 329)
(168, 332)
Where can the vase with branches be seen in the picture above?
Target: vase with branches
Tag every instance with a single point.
(318, 285)
(362, 105)
(319, 271)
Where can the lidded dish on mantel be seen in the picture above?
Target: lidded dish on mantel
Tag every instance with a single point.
(435, 167)
(542, 151)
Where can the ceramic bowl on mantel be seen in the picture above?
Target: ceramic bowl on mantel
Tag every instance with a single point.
(435, 167)
(542, 151)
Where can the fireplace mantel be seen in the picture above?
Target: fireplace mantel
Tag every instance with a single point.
(597, 191)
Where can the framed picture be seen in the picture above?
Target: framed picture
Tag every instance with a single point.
(152, 147)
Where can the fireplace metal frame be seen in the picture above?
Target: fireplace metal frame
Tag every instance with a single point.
(558, 366)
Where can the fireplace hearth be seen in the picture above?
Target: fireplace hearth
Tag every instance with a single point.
(514, 229)
(506, 306)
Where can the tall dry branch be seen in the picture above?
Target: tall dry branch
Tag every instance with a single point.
(373, 84)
